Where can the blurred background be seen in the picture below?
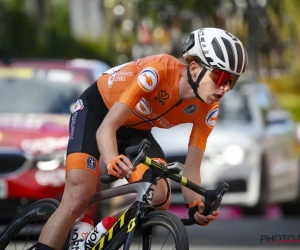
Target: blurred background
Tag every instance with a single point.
(117, 31)
(50, 51)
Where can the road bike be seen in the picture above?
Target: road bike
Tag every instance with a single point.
(139, 226)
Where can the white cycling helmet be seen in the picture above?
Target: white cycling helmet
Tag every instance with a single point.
(217, 49)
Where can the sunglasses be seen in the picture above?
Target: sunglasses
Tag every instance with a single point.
(221, 77)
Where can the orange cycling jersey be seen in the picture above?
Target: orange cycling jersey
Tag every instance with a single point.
(149, 87)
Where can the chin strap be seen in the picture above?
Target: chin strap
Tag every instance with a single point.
(195, 85)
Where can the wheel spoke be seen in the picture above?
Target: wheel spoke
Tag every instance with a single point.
(23, 231)
(165, 241)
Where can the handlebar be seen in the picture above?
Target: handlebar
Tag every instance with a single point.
(212, 201)
(213, 197)
(136, 154)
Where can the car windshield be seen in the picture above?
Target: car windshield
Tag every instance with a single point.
(234, 107)
(37, 96)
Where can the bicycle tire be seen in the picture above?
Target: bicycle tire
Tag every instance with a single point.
(40, 210)
(156, 218)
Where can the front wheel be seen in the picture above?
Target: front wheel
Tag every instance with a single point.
(161, 230)
(23, 231)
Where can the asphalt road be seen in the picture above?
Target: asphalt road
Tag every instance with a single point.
(232, 232)
(247, 232)
(235, 231)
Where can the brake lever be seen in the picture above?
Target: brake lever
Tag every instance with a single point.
(213, 198)
(110, 178)
(212, 201)
(138, 159)
(138, 151)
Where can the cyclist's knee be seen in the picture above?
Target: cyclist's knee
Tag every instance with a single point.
(165, 204)
(161, 196)
(76, 203)
(79, 190)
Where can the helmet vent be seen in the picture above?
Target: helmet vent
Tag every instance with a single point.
(217, 49)
(188, 44)
(246, 60)
(230, 53)
(240, 57)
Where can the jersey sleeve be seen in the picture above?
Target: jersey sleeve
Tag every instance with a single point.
(203, 127)
(145, 81)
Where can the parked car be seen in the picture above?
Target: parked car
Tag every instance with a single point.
(97, 67)
(34, 130)
(81, 69)
(253, 147)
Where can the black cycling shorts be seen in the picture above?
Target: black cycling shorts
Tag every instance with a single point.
(82, 150)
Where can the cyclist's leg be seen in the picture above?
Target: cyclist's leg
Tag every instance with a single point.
(160, 195)
(160, 189)
(80, 187)
(82, 174)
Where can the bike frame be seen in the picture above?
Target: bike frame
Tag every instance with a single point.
(131, 217)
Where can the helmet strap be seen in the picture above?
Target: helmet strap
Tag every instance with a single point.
(195, 84)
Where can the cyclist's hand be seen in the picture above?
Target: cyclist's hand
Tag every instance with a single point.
(202, 219)
(120, 166)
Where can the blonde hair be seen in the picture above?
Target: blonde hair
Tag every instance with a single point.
(188, 59)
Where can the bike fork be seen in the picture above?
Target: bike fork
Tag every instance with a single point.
(131, 228)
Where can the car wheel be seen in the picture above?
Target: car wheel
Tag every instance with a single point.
(292, 208)
(260, 208)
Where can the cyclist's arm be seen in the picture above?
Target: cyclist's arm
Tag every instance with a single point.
(106, 134)
(192, 172)
(197, 144)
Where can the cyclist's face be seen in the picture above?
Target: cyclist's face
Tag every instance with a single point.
(221, 78)
(213, 86)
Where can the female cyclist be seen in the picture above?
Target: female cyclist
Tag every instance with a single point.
(122, 106)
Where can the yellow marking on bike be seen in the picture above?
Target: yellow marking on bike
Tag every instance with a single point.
(183, 180)
(122, 218)
(110, 233)
(101, 243)
(131, 225)
(147, 161)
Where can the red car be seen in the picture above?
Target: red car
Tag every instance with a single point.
(89, 69)
(35, 104)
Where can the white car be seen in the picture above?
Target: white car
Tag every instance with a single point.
(253, 147)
